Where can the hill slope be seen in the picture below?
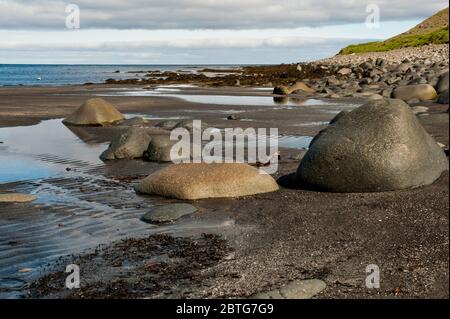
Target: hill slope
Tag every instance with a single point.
(433, 30)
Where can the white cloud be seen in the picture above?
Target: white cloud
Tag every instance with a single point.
(209, 14)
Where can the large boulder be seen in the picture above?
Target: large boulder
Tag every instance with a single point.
(443, 98)
(442, 84)
(159, 149)
(379, 146)
(201, 180)
(128, 145)
(94, 111)
(418, 91)
(167, 124)
(302, 87)
(299, 86)
(137, 121)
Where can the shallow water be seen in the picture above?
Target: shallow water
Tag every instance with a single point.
(216, 99)
(76, 209)
(26, 151)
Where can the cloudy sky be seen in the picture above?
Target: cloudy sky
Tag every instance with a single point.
(196, 31)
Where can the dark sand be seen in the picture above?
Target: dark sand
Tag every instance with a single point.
(270, 239)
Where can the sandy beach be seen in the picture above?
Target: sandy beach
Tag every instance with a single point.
(230, 248)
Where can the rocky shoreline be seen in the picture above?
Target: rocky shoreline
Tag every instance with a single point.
(357, 75)
(306, 225)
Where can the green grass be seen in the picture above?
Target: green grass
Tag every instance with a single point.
(402, 41)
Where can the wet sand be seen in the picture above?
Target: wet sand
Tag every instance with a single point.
(270, 239)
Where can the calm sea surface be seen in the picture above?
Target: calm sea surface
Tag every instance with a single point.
(40, 74)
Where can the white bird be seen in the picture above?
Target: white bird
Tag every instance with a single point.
(39, 78)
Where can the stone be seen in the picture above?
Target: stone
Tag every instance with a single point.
(168, 213)
(189, 125)
(167, 125)
(94, 111)
(419, 109)
(201, 180)
(232, 117)
(159, 149)
(134, 121)
(418, 91)
(443, 98)
(345, 71)
(339, 116)
(128, 145)
(405, 66)
(16, 198)
(298, 289)
(380, 146)
(281, 90)
(442, 84)
(375, 97)
(300, 86)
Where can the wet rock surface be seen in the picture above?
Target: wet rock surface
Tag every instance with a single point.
(128, 145)
(95, 111)
(195, 181)
(379, 146)
(168, 213)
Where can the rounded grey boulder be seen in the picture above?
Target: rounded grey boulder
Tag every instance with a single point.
(380, 146)
(442, 84)
(128, 145)
(159, 149)
(443, 98)
(168, 213)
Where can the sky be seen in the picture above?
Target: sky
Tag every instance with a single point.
(197, 31)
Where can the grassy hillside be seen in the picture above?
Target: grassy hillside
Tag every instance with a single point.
(433, 30)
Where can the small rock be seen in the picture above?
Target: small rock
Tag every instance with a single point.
(345, 71)
(232, 117)
(16, 198)
(168, 213)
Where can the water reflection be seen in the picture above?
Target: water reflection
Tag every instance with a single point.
(43, 150)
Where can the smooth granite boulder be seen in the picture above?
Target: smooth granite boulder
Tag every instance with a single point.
(201, 180)
(94, 111)
(128, 145)
(159, 149)
(380, 146)
(419, 91)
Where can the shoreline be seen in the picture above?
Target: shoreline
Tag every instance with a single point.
(265, 241)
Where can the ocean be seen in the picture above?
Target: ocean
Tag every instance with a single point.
(55, 75)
